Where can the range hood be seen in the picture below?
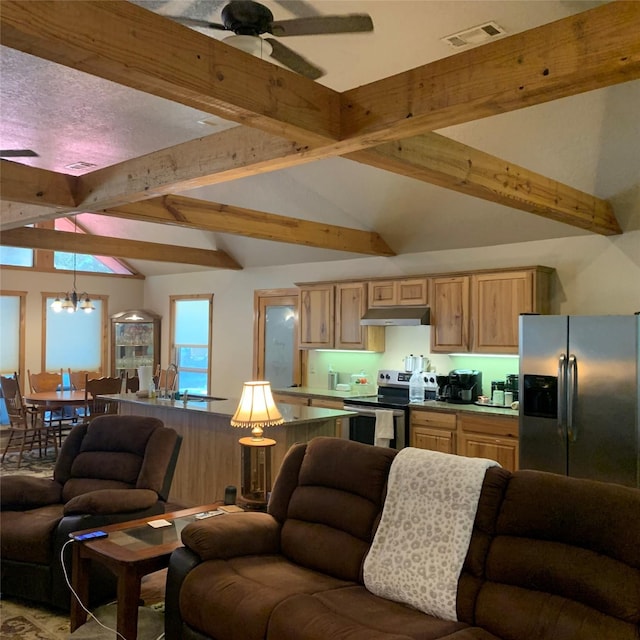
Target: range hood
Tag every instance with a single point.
(396, 316)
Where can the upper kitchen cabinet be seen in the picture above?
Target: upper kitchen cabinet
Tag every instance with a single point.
(479, 312)
(450, 314)
(412, 292)
(135, 341)
(329, 317)
(316, 316)
(498, 299)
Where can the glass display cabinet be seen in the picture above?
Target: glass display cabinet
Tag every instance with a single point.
(135, 341)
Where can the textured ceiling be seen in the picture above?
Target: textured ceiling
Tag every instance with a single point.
(589, 141)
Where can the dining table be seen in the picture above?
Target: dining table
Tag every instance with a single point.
(63, 398)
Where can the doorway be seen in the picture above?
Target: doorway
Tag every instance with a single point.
(277, 357)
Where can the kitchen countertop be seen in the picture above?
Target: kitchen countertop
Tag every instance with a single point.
(468, 408)
(319, 392)
(226, 407)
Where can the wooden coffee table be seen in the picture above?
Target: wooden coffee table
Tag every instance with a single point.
(132, 550)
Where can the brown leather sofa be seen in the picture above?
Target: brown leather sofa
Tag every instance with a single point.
(550, 558)
(114, 469)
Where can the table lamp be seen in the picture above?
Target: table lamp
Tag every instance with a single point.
(256, 410)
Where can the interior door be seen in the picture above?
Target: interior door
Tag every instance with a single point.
(276, 354)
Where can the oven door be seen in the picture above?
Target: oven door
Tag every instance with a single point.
(362, 427)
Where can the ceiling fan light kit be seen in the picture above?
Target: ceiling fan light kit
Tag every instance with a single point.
(248, 20)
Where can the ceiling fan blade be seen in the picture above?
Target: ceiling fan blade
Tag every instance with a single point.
(195, 22)
(316, 25)
(294, 61)
(299, 8)
(18, 153)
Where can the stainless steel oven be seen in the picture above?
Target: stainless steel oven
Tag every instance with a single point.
(393, 395)
(363, 425)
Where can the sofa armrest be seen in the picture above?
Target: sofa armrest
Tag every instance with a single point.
(231, 535)
(107, 501)
(19, 493)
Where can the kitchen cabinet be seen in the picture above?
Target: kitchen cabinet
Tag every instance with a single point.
(293, 398)
(433, 430)
(479, 312)
(329, 317)
(405, 292)
(450, 314)
(135, 341)
(498, 300)
(493, 437)
(316, 316)
(342, 424)
(465, 433)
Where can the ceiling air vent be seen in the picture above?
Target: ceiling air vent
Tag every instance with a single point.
(78, 166)
(475, 35)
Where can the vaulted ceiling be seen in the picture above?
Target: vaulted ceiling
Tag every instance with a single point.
(404, 146)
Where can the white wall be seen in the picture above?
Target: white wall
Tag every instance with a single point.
(123, 293)
(594, 275)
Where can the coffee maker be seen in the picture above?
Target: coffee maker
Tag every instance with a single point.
(464, 386)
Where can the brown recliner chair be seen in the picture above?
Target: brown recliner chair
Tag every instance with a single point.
(114, 469)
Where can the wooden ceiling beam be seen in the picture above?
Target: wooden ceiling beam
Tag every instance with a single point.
(592, 49)
(30, 185)
(132, 46)
(589, 50)
(223, 218)
(446, 163)
(34, 238)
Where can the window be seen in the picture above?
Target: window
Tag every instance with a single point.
(190, 332)
(74, 340)
(12, 305)
(16, 257)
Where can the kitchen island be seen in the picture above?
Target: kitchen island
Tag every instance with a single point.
(210, 454)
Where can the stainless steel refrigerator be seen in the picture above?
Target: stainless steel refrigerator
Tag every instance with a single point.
(579, 391)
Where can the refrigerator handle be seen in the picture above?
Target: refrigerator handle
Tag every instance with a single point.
(572, 379)
(562, 379)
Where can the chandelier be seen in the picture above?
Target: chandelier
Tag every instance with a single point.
(72, 298)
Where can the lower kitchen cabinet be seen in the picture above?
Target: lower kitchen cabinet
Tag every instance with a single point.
(502, 450)
(433, 430)
(487, 436)
(341, 423)
(467, 434)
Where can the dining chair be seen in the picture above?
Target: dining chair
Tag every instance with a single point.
(50, 381)
(26, 426)
(77, 380)
(95, 406)
(132, 384)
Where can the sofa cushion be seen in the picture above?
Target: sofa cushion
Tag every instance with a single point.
(27, 535)
(336, 505)
(353, 613)
(567, 559)
(240, 594)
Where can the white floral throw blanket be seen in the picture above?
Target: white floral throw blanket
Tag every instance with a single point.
(419, 548)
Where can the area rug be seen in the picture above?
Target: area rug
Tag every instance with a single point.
(20, 620)
(32, 465)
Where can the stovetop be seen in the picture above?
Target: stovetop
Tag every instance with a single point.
(391, 378)
(393, 390)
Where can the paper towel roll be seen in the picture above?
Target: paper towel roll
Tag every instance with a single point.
(145, 375)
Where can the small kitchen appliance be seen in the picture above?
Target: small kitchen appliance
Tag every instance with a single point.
(393, 394)
(464, 386)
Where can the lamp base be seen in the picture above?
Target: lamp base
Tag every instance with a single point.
(255, 473)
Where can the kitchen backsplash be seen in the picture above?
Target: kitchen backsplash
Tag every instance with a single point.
(400, 342)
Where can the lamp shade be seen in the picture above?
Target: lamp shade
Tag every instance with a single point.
(256, 408)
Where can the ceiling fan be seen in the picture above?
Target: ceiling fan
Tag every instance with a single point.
(248, 20)
(18, 153)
